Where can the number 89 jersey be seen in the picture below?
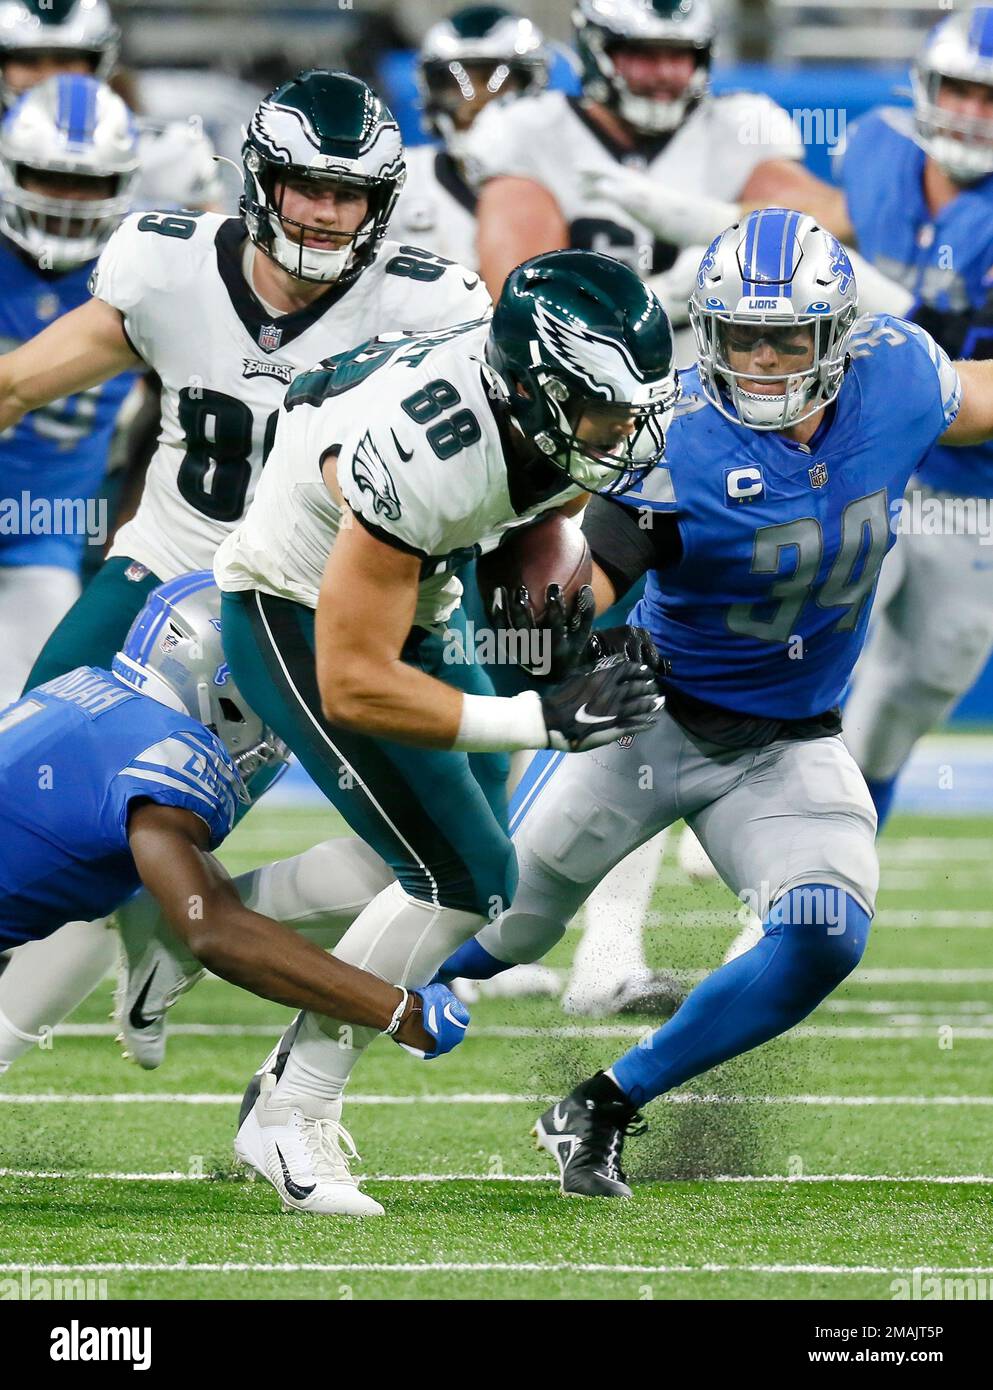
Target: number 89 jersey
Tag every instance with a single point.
(225, 362)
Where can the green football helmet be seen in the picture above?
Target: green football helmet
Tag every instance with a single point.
(604, 26)
(477, 54)
(324, 128)
(580, 350)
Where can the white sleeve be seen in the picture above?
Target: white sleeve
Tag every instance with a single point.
(392, 495)
(501, 141)
(118, 277)
(459, 296)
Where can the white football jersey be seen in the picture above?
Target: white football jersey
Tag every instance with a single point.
(225, 362)
(551, 138)
(437, 208)
(421, 464)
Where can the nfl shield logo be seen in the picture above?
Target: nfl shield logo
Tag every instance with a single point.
(818, 474)
(270, 337)
(169, 642)
(625, 741)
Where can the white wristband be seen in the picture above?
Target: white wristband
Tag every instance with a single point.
(496, 724)
(397, 1018)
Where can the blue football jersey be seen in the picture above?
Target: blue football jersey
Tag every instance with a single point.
(74, 753)
(766, 610)
(58, 454)
(945, 261)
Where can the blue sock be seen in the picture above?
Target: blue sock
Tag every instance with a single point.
(470, 962)
(814, 937)
(882, 793)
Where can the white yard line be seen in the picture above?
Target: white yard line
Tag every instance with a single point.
(478, 1098)
(947, 1179)
(480, 1267)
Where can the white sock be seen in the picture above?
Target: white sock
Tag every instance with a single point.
(612, 946)
(45, 980)
(398, 938)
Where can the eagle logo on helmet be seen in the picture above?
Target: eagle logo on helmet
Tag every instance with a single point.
(594, 358)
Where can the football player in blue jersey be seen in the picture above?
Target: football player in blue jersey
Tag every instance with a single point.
(113, 779)
(68, 160)
(915, 195)
(762, 536)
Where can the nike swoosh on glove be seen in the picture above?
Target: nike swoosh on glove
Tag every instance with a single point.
(595, 707)
(444, 1017)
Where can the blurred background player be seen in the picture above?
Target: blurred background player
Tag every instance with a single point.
(480, 54)
(69, 160)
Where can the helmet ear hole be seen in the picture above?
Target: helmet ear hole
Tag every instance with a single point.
(230, 710)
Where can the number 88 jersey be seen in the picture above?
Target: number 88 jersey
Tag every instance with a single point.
(224, 361)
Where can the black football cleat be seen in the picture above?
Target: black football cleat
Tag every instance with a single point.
(585, 1135)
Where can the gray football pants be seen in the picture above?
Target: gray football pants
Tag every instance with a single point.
(770, 819)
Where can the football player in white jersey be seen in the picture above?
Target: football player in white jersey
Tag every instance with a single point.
(390, 465)
(226, 311)
(466, 61)
(644, 104)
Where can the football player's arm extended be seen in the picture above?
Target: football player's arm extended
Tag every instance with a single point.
(80, 349)
(974, 422)
(202, 907)
(515, 219)
(786, 183)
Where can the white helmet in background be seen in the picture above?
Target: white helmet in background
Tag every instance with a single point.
(960, 48)
(66, 29)
(73, 131)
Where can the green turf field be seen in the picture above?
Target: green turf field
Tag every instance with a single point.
(827, 1164)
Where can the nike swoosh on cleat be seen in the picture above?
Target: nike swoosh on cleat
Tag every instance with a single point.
(558, 1120)
(293, 1188)
(583, 718)
(404, 454)
(136, 1018)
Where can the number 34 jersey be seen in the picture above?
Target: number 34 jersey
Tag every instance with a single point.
(421, 464)
(766, 609)
(225, 362)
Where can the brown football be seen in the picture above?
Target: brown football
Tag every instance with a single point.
(552, 551)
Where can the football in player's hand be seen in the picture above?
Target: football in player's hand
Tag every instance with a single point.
(552, 551)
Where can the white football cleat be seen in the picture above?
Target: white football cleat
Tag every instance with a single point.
(694, 860)
(748, 937)
(152, 975)
(301, 1147)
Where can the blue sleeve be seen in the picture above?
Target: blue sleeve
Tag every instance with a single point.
(186, 769)
(920, 388)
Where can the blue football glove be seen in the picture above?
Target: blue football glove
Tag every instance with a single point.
(444, 1017)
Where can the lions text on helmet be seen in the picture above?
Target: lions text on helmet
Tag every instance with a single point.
(772, 310)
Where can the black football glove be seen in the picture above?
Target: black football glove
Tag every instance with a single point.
(559, 641)
(633, 643)
(595, 707)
